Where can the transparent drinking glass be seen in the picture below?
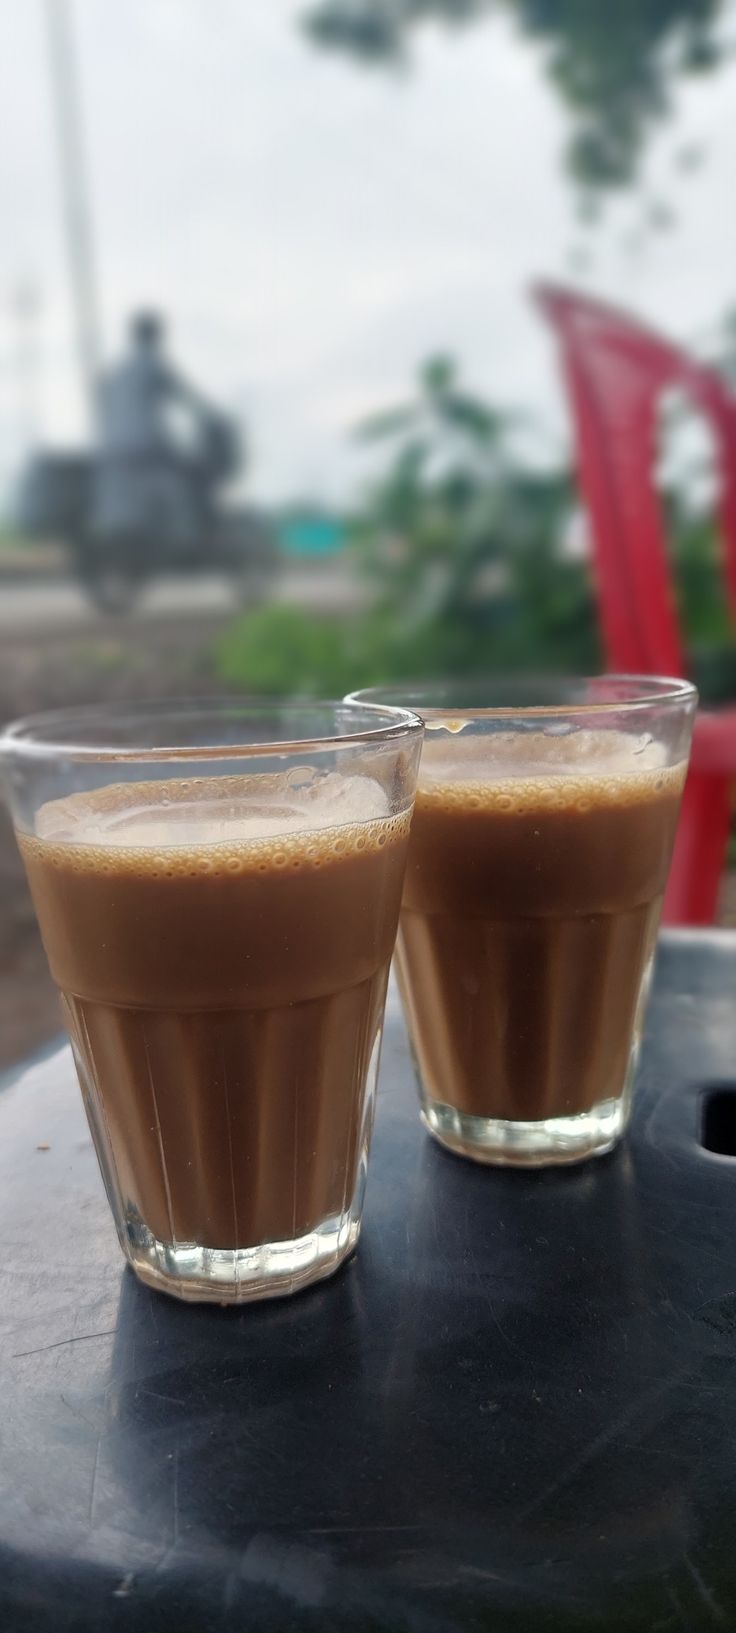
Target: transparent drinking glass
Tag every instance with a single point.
(540, 845)
(218, 888)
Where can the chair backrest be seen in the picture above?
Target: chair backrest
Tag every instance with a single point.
(616, 372)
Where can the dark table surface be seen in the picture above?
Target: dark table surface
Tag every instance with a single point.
(516, 1408)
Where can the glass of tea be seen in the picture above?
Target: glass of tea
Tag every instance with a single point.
(218, 889)
(540, 845)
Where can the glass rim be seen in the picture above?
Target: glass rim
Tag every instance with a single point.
(45, 735)
(635, 692)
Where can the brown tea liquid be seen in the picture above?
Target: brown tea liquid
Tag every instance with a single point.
(222, 953)
(536, 871)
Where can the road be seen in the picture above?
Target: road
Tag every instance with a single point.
(31, 606)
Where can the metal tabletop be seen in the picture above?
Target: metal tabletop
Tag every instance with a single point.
(515, 1409)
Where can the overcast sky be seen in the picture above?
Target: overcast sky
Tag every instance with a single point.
(313, 230)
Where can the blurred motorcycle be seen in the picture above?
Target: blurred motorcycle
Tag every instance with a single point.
(149, 497)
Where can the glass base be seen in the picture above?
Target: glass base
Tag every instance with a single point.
(528, 1145)
(237, 1275)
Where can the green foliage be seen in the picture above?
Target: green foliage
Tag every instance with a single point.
(281, 649)
(463, 545)
(458, 550)
(694, 541)
(614, 66)
(704, 615)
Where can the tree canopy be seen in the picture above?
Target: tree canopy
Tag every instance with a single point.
(615, 67)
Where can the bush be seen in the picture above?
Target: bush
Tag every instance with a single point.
(280, 649)
(460, 548)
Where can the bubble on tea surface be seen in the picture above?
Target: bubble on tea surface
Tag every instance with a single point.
(227, 825)
(514, 771)
(300, 776)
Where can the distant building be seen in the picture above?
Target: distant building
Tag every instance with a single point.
(305, 530)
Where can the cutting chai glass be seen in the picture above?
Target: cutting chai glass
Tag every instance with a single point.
(218, 888)
(540, 845)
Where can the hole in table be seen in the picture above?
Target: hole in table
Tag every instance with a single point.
(718, 1119)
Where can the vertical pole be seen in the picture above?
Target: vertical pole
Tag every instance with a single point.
(74, 191)
(26, 307)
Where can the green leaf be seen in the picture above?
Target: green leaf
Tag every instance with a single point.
(437, 375)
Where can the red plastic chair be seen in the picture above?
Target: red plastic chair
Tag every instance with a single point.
(616, 371)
